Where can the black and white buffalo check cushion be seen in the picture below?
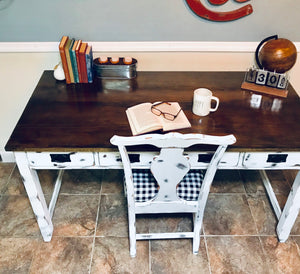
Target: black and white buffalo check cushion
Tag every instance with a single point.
(146, 187)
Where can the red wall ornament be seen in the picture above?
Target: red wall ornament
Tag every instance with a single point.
(198, 8)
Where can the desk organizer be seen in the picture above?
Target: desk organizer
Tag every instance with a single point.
(120, 70)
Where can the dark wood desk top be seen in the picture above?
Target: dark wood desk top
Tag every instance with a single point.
(84, 117)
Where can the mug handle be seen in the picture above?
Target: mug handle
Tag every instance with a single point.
(217, 103)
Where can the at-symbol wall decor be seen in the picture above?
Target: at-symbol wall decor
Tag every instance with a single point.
(198, 8)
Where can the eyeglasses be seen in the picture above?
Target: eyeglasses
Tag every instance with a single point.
(166, 115)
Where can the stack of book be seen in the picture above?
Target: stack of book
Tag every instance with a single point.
(77, 60)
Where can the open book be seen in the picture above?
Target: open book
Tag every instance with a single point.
(142, 120)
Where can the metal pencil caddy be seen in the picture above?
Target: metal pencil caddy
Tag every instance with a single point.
(115, 71)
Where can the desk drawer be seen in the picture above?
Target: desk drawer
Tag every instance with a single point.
(144, 159)
(201, 160)
(61, 160)
(138, 159)
(274, 160)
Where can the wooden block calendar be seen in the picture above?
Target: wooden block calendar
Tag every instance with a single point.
(267, 82)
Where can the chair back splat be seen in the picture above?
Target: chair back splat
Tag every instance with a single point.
(169, 185)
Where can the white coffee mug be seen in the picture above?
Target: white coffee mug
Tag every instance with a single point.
(202, 102)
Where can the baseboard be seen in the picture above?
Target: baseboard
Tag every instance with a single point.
(158, 46)
(7, 157)
(139, 46)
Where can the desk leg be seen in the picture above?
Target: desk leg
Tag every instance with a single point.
(290, 211)
(35, 195)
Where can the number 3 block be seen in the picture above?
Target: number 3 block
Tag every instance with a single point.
(261, 77)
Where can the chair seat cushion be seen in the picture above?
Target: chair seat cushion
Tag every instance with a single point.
(146, 187)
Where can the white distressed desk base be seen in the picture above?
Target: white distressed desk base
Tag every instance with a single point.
(30, 161)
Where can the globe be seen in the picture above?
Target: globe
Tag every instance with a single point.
(278, 55)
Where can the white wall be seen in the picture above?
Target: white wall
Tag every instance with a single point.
(20, 72)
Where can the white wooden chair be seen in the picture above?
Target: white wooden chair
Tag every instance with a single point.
(176, 188)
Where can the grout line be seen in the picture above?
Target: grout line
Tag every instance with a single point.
(242, 181)
(252, 215)
(245, 235)
(206, 248)
(150, 265)
(8, 181)
(96, 224)
(262, 247)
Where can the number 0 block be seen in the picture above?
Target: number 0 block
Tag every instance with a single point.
(272, 80)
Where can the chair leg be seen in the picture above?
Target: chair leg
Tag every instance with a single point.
(132, 231)
(197, 229)
(198, 218)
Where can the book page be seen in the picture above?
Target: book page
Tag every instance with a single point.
(142, 120)
(180, 121)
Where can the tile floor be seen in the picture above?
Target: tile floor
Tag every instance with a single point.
(90, 228)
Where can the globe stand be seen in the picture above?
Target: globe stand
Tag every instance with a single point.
(267, 82)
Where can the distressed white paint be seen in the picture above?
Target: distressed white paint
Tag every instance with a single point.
(35, 195)
(55, 192)
(77, 159)
(230, 160)
(30, 161)
(168, 169)
(271, 193)
(290, 211)
(258, 160)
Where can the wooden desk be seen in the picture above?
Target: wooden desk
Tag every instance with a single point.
(69, 126)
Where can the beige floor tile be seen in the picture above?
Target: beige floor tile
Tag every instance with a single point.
(237, 254)
(112, 220)
(75, 215)
(16, 254)
(6, 170)
(282, 257)
(290, 175)
(81, 182)
(176, 256)
(228, 214)
(262, 212)
(14, 185)
(17, 218)
(279, 182)
(227, 181)
(112, 181)
(63, 255)
(296, 227)
(254, 185)
(252, 182)
(161, 223)
(111, 255)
